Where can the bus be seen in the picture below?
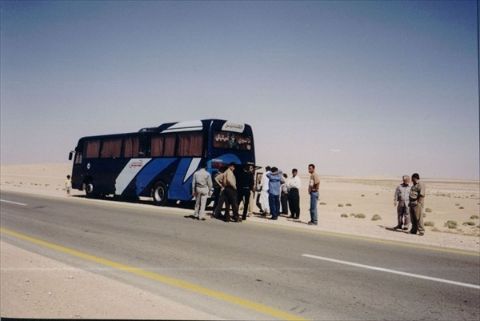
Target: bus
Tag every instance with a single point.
(159, 162)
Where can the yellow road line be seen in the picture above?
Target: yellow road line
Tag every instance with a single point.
(257, 307)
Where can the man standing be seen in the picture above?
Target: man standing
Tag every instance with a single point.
(284, 195)
(245, 185)
(264, 192)
(400, 200)
(293, 186)
(220, 194)
(275, 179)
(230, 192)
(201, 188)
(313, 188)
(417, 199)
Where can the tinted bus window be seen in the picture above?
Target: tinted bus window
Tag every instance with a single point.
(111, 148)
(131, 147)
(92, 148)
(190, 145)
(169, 145)
(156, 149)
(228, 140)
(163, 146)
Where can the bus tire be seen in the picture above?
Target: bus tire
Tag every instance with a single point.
(89, 189)
(159, 193)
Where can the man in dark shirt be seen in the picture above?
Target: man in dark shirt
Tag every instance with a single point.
(245, 184)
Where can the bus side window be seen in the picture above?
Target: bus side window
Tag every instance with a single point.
(111, 148)
(131, 147)
(92, 149)
(156, 146)
(144, 146)
(169, 145)
(190, 144)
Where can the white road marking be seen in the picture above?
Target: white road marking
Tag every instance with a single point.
(11, 202)
(370, 267)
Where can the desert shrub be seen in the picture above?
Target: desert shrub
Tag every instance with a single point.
(428, 210)
(344, 215)
(474, 217)
(363, 195)
(376, 217)
(451, 224)
(360, 215)
(352, 214)
(348, 204)
(435, 229)
(469, 223)
(461, 208)
(457, 204)
(340, 205)
(323, 203)
(424, 215)
(429, 223)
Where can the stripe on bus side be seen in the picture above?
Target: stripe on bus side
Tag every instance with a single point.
(133, 167)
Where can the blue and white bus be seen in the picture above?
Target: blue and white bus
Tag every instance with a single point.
(159, 162)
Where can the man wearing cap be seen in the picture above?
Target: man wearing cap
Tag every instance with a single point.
(416, 202)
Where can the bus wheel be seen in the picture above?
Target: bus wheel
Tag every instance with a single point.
(159, 193)
(88, 188)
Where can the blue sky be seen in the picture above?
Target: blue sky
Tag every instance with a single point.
(359, 88)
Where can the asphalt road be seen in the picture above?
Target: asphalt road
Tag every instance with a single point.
(306, 274)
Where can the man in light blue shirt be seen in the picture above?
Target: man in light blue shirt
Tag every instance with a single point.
(275, 180)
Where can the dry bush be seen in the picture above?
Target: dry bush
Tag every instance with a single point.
(348, 204)
(429, 223)
(360, 215)
(340, 205)
(376, 217)
(451, 224)
(474, 217)
(469, 223)
(428, 210)
(344, 215)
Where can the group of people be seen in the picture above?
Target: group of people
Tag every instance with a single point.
(231, 187)
(409, 201)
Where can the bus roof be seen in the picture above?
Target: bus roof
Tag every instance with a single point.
(182, 126)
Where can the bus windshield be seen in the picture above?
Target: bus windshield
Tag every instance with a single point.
(229, 140)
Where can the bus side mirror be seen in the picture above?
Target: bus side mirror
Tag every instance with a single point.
(70, 156)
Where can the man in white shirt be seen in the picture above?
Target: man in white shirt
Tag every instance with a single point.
(294, 184)
(264, 192)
